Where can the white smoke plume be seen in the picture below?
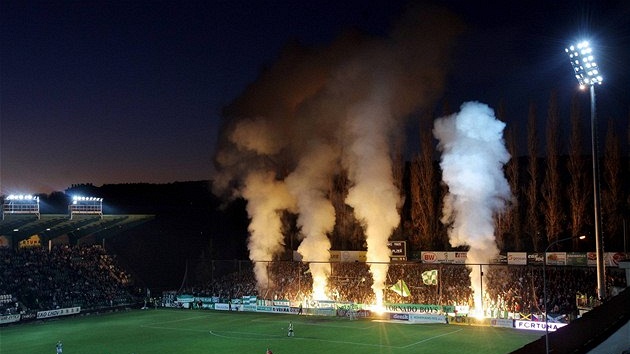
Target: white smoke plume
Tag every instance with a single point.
(266, 198)
(374, 196)
(309, 183)
(473, 155)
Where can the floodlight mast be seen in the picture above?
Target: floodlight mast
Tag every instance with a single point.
(587, 73)
(86, 205)
(545, 286)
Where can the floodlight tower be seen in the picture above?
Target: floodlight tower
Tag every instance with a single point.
(86, 205)
(21, 204)
(545, 286)
(587, 74)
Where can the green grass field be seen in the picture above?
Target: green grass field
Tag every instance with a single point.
(205, 331)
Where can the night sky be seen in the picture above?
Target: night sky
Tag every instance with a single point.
(130, 91)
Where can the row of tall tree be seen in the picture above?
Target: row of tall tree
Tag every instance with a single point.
(552, 186)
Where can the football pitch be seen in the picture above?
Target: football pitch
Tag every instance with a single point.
(205, 331)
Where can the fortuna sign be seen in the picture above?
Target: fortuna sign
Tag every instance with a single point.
(538, 326)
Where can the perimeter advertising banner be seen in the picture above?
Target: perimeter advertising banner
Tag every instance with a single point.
(517, 258)
(535, 258)
(537, 326)
(347, 256)
(228, 307)
(501, 322)
(418, 308)
(611, 259)
(58, 312)
(576, 259)
(33, 241)
(427, 318)
(418, 318)
(465, 320)
(443, 257)
(9, 319)
(556, 258)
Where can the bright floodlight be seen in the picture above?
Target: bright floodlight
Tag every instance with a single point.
(77, 198)
(86, 205)
(584, 65)
(20, 197)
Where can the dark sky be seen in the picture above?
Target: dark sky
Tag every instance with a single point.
(132, 91)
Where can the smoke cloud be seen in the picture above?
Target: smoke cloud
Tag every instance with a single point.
(473, 155)
(266, 198)
(318, 112)
(310, 183)
(374, 197)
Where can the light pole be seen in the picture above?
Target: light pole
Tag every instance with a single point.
(545, 286)
(587, 74)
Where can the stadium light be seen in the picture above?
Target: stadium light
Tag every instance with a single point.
(545, 285)
(587, 73)
(584, 64)
(20, 204)
(22, 197)
(86, 205)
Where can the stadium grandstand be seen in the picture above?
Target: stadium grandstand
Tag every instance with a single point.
(58, 262)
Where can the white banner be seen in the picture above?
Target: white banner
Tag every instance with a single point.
(611, 259)
(58, 312)
(443, 257)
(348, 256)
(426, 318)
(9, 319)
(537, 326)
(501, 322)
(556, 258)
(228, 307)
(517, 258)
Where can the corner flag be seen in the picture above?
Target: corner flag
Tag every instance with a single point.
(430, 277)
(400, 288)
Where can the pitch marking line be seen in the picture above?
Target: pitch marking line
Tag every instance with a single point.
(432, 338)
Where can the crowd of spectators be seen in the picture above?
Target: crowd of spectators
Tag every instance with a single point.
(506, 288)
(36, 278)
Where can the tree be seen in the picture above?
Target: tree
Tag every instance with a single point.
(531, 189)
(348, 233)
(506, 222)
(551, 191)
(612, 191)
(512, 215)
(398, 173)
(424, 210)
(578, 191)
